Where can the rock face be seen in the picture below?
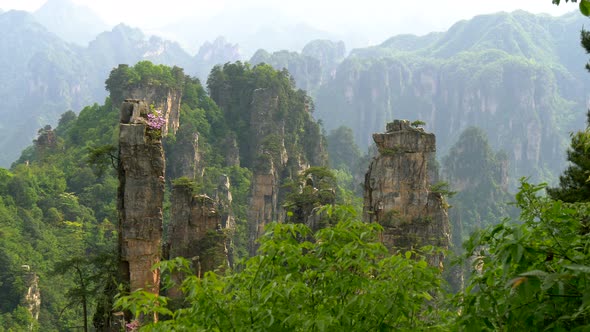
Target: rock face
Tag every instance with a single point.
(272, 132)
(263, 207)
(495, 79)
(269, 146)
(167, 100)
(187, 157)
(140, 197)
(32, 298)
(224, 200)
(397, 193)
(197, 229)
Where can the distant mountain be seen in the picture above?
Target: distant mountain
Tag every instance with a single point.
(518, 76)
(73, 23)
(219, 51)
(264, 29)
(43, 76)
(124, 44)
(311, 68)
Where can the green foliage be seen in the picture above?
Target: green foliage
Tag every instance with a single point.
(479, 176)
(185, 182)
(315, 187)
(443, 188)
(102, 157)
(342, 278)
(532, 275)
(395, 150)
(584, 5)
(55, 208)
(494, 61)
(234, 86)
(343, 152)
(418, 123)
(142, 75)
(573, 184)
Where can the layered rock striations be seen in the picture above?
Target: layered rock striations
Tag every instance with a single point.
(498, 79)
(398, 195)
(199, 227)
(268, 143)
(167, 100)
(140, 197)
(272, 132)
(187, 156)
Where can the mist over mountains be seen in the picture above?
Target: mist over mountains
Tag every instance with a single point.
(517, 75)
(71, 22)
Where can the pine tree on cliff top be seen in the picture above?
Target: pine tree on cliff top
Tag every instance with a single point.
(573, 183)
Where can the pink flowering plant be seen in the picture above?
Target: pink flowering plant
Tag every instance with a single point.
(155, 123)
(156, 120)
(132, 326)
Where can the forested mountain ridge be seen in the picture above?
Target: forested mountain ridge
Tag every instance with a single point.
(512, 74)
(500, 72)
(44, 76)
(58, 201)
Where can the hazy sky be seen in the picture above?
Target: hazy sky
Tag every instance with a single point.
(397, 16)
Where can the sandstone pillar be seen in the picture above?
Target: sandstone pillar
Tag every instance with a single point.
(397, 191)
(197, 229)
(140, 197)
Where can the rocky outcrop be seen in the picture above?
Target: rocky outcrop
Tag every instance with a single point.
(269, 145)
(198, 227)
(496, 79)
(140, 197)
(46, 138)
(263, 204)
(397, 191)
(276, 136)
(232, 151)
(315, 65)
(187, 156)
(167, 100)
(224, 200)
(32, 298)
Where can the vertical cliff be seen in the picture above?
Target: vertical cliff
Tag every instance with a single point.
(167, 100)
(224, 201)
(275, 134)
(495, 72)
(397, 191)
(197, 228)
(32, 298)
(187, 156)
(268, 143)
(157, 85)
(140, 197)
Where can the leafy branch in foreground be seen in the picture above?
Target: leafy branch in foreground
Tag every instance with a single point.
(342, 278)
(533, 275)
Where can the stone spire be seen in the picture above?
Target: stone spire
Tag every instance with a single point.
(140, 197)
(397, 191)
(198, 225)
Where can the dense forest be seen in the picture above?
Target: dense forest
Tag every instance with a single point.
(267, 162)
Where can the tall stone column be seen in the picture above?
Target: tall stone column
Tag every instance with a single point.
(196, 231)
(140, 197)
(199, 230)
(397, 191)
